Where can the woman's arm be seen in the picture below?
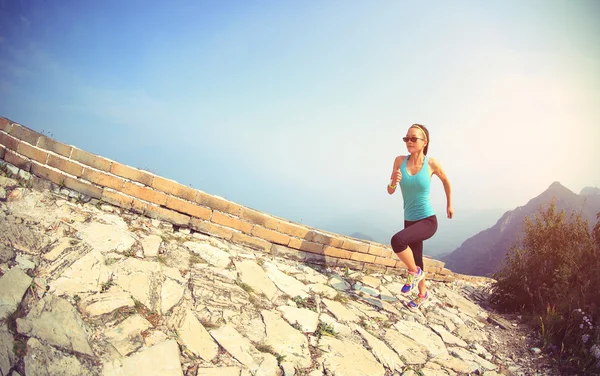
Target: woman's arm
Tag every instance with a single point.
(437, 170)
(396, 175)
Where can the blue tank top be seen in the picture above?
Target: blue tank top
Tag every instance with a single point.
(415, 192)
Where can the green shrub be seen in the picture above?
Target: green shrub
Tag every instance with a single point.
(553, 276)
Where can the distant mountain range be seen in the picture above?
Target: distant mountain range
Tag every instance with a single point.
(483, 253)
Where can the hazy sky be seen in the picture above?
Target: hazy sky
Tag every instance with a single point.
(297, 108)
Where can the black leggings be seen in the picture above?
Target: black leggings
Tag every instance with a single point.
(413, 235)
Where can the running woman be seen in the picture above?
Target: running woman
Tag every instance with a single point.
(413, 172)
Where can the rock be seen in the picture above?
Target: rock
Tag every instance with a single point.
(475, 361)
(423, 335)
(254, 276)
(13, 285)
(213, 255)
(62, 245)
(323, 290)
(141, 279)
(497, 320)
(55, 321)
(339, 284)
(158, 360)
(307, 319)
(221, 371)
(340, 312)
(370, 281)
(195, 337)
(241, 349)
(2, 194)
(285, 340)
(171, 294)
(344, 358)
(126, 337)
(7, 354)
(286, 283)
(151, 245)
(536, 350)
(100, 304)
(106, 237)
(453, 363)
(447, 337)
(382, 352)
(6, 253)
(25, 262)
(8, 182)
(288, 368)
(407, 348)
(86, 275)
(44, 360)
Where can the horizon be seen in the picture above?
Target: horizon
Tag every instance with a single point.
(298, 110)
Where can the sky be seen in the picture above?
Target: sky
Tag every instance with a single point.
(297, 108)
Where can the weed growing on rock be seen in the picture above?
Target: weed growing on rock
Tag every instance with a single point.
(554, 277)
(308, 303)
(246, 287)
(324, 329)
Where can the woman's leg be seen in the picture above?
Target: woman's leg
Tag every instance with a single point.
(417, 250)
(408, 243)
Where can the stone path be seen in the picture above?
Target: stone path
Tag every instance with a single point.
(88, 290)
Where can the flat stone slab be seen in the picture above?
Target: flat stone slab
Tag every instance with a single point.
(55, 320)
(195, 337)
(7, 355)
(141, 279)
(84, 276)
(254, 276)
(287, 341)
(339, 284)
(307, 319)
(381, 351)
(221, 371)
(423, 335)
(45, 360)
(474, 360)
(171, 294)
(286, 283)
(106, 237)
(321, 289)
(340, 312)
(126, 337)
(241, 349)
(13, 285)
(345, 358)
(211, 254)
(159, 360)
(100, 304)
(151, 245)
(406, 347)
(447, 337)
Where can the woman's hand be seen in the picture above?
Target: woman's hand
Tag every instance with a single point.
(396, 177)
(450, 212)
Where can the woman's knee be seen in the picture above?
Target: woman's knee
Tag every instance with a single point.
(399, 243)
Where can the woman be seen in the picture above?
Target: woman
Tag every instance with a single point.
(413, 172)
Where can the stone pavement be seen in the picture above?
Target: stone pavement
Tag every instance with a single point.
(87, 289)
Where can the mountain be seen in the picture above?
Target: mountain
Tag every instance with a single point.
(359, 235)
(483, 253)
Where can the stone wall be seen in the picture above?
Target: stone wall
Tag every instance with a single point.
(156, 197)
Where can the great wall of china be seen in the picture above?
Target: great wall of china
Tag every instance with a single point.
(96, 177)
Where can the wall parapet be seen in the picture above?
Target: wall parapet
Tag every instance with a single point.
(156, 197)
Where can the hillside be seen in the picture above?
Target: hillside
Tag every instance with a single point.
(483, 253)
(93, 289)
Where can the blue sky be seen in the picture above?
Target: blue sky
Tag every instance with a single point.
(297, 108)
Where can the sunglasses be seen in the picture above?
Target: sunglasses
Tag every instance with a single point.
(412, 139)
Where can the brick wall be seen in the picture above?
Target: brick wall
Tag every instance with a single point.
(156, 197)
